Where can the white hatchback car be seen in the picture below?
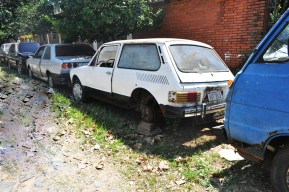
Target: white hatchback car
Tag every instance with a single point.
(158, 77)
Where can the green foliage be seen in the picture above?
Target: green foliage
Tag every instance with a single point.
(7, 14)
(280, 6)
(34, 17)
(104, 20)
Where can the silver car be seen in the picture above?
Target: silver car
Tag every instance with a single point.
(53, 62)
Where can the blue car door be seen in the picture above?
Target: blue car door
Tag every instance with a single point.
(259, 100)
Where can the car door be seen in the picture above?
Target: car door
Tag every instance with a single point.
(259, 101)
(45, 62)
(35, 61)
(99, 73)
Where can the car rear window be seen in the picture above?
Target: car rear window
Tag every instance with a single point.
(191, 58)
(74, 50)
(28, 47)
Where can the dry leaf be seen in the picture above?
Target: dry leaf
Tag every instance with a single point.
(96, 147)
(141, 160)
(81, 165)
(147, 168)
(180, 182)
(163, 165)
(99, 165)
(182, 160)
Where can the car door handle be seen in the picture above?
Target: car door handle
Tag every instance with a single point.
(108, 73)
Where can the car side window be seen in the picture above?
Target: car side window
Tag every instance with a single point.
(39, 53)
(140, 57)
(278, 51)
(12, 49)
(47, 54)
(106, 56)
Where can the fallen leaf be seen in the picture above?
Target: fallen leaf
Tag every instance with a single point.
(99, 165)
(81, 165)
(180, 182)
(141, 160)
(182, 160)
(96, 147)
(147, 168)
(164, 165)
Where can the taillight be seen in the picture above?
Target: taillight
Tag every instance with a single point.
(75, 65)
(184, 97)
(230, 82)
(63, 66)
(69, 65)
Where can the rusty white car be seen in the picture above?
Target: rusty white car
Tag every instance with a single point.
(158, 77)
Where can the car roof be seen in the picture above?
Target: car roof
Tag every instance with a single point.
(159, 40)
(56, 44)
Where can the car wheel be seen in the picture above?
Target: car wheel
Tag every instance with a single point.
(78, 92)
(150, 111)
(50, 81)
(30, 73)
(280, 171)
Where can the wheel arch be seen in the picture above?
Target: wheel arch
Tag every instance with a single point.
(74, 78)
(138, 93)
(274, 143)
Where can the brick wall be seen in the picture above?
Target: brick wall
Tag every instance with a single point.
(232, 27)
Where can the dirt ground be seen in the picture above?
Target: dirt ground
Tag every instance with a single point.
(37, 154)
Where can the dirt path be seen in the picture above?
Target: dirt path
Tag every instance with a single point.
(36, 154)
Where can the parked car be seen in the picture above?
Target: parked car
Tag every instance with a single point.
(53, 62)
(18, 54)
(4, 51)
(257, 113)
(158, 77)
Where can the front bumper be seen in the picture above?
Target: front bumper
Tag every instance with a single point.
(170, 111)
(61, 79)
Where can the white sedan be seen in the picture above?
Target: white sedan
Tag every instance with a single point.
(53, 62)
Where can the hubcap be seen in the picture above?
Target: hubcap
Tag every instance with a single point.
(77, 92)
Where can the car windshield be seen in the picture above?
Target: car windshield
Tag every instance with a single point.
(190, 58)
(28, 47)
(74, 50)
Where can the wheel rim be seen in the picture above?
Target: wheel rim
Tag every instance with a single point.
(50, 81)
(77, 92)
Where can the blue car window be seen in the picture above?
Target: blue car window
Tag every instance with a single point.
(28, 47)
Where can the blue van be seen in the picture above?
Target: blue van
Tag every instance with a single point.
(257, 106)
